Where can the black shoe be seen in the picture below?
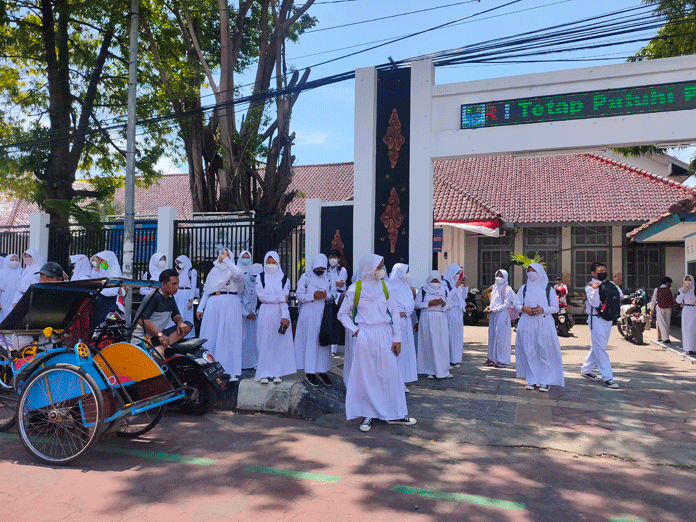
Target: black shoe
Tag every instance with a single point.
(366, 424)
(406, 421)
(312, 380)
(667, 342)
(324, 379)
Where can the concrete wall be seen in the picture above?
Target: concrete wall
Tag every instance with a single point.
(674, 263)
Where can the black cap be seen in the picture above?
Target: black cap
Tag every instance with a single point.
(52, 269)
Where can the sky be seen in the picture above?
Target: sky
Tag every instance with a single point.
(323, 118)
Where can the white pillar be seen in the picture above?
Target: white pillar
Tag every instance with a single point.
(312, 230)
(38, 233)
(364, 154)
(165, 233)
(420, 212)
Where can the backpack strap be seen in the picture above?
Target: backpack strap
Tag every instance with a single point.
(356, 301)
(449, 286)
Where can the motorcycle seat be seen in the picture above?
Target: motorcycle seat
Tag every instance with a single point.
(186, 345)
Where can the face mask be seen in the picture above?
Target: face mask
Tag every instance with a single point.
(319, 272)
(161, 264)
(499, 280)
(333, 262)
(532, 276)
(28, 261)
(271, 269)
(179, 268)
(406, 278)
(435, 286)
(94, 263)
(601, 276)
(379, 274)
(253, 278)
(13, 264)
(104, 265)
(244, 261)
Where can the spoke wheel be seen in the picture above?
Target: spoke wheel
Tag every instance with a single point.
(60, 414)
(8, 408)
(132, 426)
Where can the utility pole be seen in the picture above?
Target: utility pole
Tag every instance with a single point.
(129, 218)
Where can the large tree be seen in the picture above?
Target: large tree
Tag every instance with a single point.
(63, 82)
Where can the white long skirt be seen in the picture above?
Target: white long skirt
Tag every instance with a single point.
(538, 352)
(433, 344)
(688, 319)
(375, 388)
(180, 298)
(310, 356)
(250, 353)
(222, 327)
(276, 350)
(348, 355)
(455, 323)
(500, 337)
(408, 363)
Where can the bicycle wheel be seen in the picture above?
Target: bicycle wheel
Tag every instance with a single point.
(60, 414)
(8, 408)
(132, 426)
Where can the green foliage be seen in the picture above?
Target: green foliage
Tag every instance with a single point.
(519, 259)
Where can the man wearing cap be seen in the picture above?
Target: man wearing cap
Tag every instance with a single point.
(51, 272)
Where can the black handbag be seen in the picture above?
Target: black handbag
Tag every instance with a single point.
(331, 330)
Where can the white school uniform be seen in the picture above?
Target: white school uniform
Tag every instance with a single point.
(455, 314)
(9, 280)
(537, 350)
(433, 331)
(375, 388)
(188, 279)
(30, 274)
(250, 352)
(400, 286)
(688, 318)
(600, 330)
(499, 327)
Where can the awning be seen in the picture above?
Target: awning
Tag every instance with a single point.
(490, 227)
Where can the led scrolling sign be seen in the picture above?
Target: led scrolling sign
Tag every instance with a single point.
(578, 106)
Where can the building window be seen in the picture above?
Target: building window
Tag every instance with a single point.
(494, 254)
(590, 244)
(546, 241)
(643, 265)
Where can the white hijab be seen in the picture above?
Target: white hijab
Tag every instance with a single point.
(30, 273)
(9, 277)
(218, 276)
(537, 293)
(153, 269)
(273, 282)
(499, 291)
(690, 292)
(82, 269)
(315, 282)
(452, 274)
(430, 291)
(184, 279)
(370, 287)
(401, 289)
(244, 268)
(114, 269)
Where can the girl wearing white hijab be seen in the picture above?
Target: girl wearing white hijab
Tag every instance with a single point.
(244, 261)
(400, 286)
(313, 290)
(33, 261)
(106, 300)
(375, 388)
(250, 352)
(220, 311)
(537, 350)
(499, 328)
(276, 349)
(82, 268)
(158, 262)
(687, 300)
(9, 280)
(455, 315)
(188, 281)
(433, 329)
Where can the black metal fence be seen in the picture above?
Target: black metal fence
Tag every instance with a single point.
(97, 237)
(14, 240)
(197, 239)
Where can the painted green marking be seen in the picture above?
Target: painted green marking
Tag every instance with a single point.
(293, 474)
(152, 455)
(622, 519)
(459, 497)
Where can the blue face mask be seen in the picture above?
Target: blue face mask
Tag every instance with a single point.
(253, 278)
(244, 261)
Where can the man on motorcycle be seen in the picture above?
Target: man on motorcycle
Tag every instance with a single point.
(561, 291)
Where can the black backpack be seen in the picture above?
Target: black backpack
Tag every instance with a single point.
(263, 284)
(609, 301)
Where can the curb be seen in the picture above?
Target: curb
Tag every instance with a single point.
(675, 350)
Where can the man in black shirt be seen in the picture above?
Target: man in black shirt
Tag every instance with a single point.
(157, 309)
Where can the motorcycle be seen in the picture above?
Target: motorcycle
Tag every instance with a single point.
(564, 320)
(188, 361)
(471, 309)
(633, 317)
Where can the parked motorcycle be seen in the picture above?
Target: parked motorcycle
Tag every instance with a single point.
(472, 314)
(633, 318)
(564, 320)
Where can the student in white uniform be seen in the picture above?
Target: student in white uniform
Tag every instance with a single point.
(400, 286)
(33, 261)
(375, 389)
(273, 330)
(188, 281)
(158, 262)
(108, 267)
(250, 352)
(455, 315)
(82, 268)
(537, 350)
(313, 290)
(499, 328)
(687, 300)
(349, 343)
(220, 312)
(661, 306)
(433, 329)
(9, 280)
(338, 276)
(600, 329)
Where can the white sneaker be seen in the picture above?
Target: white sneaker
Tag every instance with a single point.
(366, 424)
(530, 387)
(448, 376)
(544, 388)
(406, 421)
(431, 376)
(277, 380)
(406, 390)
(457, 365)
(264, 380)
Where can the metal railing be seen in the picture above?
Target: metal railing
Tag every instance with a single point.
(14, 240)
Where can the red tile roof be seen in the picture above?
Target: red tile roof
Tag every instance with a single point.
(553, 189)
